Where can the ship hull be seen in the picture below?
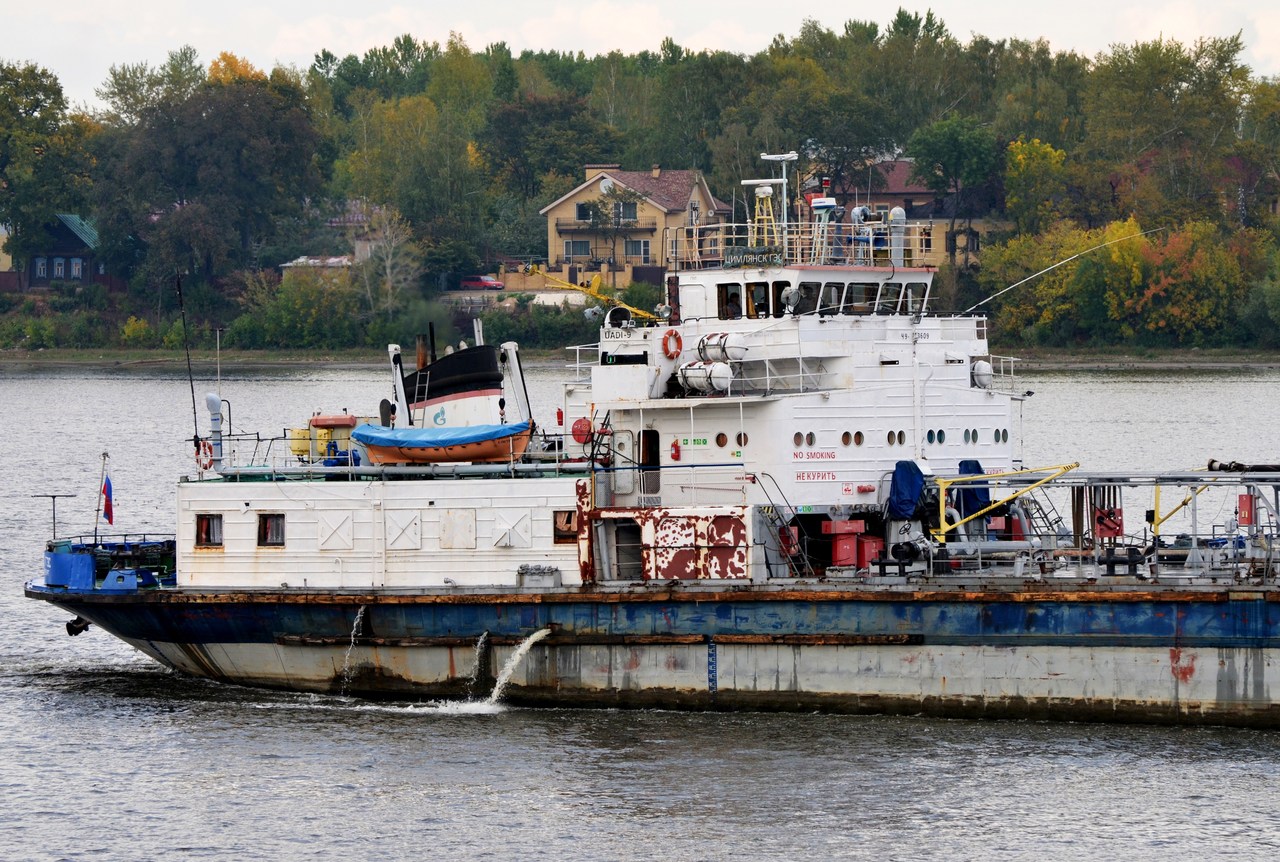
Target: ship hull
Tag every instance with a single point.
(1193, 658)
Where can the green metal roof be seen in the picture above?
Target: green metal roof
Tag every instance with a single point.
(81, 228)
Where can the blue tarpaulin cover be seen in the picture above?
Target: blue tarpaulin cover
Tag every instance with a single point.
(433, 438)
(974, 496)
(904, 493)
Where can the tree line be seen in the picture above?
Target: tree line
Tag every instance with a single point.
(440, 157)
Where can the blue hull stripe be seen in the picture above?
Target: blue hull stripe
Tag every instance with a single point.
(1247, 623)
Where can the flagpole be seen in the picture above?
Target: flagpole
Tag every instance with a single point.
(97, 509)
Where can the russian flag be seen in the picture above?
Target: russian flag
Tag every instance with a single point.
(106, 500)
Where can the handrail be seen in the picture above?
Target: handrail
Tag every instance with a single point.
(806, 243)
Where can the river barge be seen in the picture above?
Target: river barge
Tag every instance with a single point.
(792, 486)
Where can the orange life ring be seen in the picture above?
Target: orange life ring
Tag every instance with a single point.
(672, 344)
(204, 455)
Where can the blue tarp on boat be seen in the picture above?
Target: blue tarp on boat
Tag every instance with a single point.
(904, 492)
(434, 438)
(973, 496)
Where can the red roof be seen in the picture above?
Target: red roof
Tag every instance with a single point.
(897, 179)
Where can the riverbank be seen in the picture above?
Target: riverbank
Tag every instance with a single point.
(204, 361)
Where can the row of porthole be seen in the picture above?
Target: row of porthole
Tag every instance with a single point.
(1001, 435)
(722, 439)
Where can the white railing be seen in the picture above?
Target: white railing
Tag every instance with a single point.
(875, 243)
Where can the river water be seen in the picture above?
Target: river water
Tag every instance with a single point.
(106, 756)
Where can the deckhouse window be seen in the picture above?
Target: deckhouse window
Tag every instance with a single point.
(208, 531)
(564, 526)
(270, 531)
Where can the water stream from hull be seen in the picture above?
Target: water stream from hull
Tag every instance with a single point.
(346, 659)
(481, 651)
(513, 662)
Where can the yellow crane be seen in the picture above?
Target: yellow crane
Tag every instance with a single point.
(591, 289)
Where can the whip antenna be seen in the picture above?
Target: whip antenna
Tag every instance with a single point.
(186, 346)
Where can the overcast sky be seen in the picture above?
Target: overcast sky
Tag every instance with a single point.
(79, 40)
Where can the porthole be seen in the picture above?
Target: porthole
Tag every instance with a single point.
(966, 435)
(892, 438)
(974, 432)
(797, 439)
(742, 438)
(1004, 436)
(809, 438)
(902, 438)
(722, 439)
(930, 436)
(846, 438)
(857, 438)
(942, 436)
(997, 435)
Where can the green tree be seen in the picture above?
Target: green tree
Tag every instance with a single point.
(526, 139)
(1034, 183)
(132, 88)
(394, 265)
(200, 182)
(1162, 117)
(951, 156)
(45, 164)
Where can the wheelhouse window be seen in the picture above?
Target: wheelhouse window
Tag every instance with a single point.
(860, 297)
(729, 301)
(271, 531)
(890, 293)
(829, 300)
(915, 296)
(758, 299)
(208, 531)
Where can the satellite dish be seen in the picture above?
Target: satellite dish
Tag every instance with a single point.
(606, 185)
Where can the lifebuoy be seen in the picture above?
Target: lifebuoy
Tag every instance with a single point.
(582, 430)
(204, 455)
(672, 344)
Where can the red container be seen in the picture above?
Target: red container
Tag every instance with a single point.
(869, 548)
(844, 550)
(1245, 507)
